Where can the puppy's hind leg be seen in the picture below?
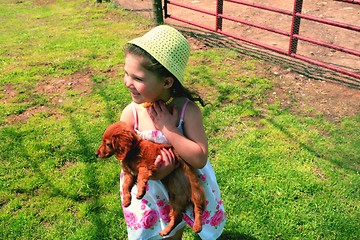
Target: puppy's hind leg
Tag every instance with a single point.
(198, 199)
(199, 207)
(175, 218)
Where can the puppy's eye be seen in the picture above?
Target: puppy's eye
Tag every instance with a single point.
(108, 144)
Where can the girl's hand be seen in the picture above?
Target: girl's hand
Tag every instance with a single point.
(161, 116)
(165, 164)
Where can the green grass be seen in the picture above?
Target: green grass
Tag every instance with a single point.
(282, 175)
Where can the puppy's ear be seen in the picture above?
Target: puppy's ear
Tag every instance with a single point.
(122, 143)
(120, 147)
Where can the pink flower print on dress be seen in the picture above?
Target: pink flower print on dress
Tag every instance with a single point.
(149, 219)
(219, 203)
(217, 218)
(165, 213)
(203, 177)
(130, 218)
(205, 217)
(155, 133)
(144, 203)
(188, 220)
(137, 226)
(160, 203)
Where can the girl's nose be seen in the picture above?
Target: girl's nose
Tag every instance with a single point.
(127, 81)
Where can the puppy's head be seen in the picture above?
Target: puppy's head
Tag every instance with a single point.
(117, 139)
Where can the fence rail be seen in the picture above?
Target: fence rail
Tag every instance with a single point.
(294, 35)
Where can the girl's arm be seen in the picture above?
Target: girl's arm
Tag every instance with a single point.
(193, 147)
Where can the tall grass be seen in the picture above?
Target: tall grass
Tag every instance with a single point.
(282, 175)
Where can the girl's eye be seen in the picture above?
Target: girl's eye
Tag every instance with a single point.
(133, 77)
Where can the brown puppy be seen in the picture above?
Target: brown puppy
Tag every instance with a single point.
(137, 158)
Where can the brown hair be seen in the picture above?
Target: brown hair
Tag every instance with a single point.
(177, 90)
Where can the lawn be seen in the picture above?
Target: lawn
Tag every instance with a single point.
(283, 174)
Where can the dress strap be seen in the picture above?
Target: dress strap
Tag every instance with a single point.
(136, 124)
(183, 110)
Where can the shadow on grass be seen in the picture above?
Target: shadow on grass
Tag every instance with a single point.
(235, 236)
(230, 235)
(91, 180)
(345, 163)
(110, 113)
(100, 228)
(211, 39)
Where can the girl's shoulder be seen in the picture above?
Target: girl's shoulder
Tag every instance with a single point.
(189, 109)
(127, 110)
(127, 115)
(191, 104)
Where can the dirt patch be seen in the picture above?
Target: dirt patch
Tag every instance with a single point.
(304, 95)
(297, 86)
(300, 87)
(340, 11)
(24, 116)
(55, 90)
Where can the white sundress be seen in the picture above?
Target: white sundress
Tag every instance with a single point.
(146, 217)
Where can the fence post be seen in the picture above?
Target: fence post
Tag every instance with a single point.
(295, 26)
(166, 15)
(219, 10)
(157, 10)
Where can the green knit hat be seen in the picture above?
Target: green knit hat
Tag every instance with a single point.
(168, 46)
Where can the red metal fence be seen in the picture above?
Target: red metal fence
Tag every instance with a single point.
(293, 35)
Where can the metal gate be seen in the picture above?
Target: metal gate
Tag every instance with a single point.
(295, 38)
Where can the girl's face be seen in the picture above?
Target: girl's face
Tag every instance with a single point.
(144, 85)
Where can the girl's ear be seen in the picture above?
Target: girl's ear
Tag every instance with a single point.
(168, 82)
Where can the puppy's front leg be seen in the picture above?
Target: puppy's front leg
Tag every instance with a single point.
(129, 181)
(142, 179)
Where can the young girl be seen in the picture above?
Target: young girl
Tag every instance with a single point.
(164, 111)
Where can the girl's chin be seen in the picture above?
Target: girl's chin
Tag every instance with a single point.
(138, 101)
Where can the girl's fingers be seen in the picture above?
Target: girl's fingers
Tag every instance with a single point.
(171, 154)
(158, 161)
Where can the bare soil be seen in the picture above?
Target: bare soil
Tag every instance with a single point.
(339, 11)
(303, 88)
(314, 90)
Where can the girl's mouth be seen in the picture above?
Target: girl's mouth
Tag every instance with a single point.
(134, 93)
(135, 96)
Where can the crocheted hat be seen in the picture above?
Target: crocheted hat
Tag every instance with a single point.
(168, 46)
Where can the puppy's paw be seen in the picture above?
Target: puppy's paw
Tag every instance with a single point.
(197, 228)
(126, 201)
(164, 232)
(140, 196)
